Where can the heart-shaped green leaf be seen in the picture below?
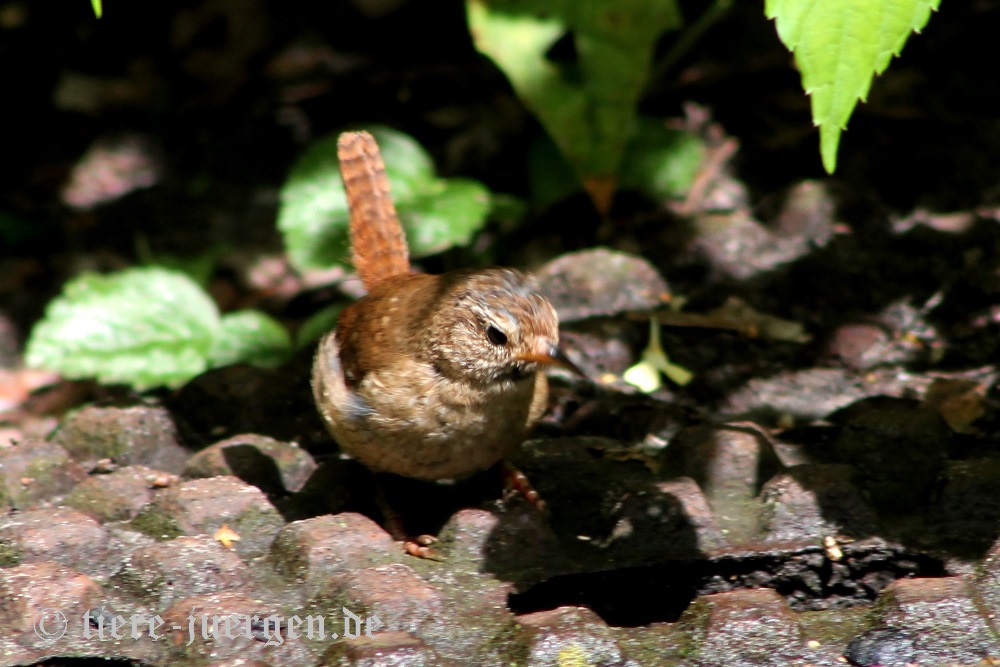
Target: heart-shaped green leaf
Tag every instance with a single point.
(436, 213)
(253, 337)
(144, 327)
(147, 327)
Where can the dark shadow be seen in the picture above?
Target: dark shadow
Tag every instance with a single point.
(255, 467)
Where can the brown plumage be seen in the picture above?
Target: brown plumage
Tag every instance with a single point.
(428, 376)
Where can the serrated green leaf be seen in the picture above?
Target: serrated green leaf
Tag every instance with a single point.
(144, 327)
(839, 46)
(587, 107)
(252, 337)
(436, 213)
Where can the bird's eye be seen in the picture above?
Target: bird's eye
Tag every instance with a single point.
(496, 336)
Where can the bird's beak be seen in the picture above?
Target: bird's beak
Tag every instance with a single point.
(552, 355)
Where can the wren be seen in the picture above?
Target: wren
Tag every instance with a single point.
(428, 376)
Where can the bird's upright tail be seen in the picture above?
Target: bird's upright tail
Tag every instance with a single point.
(378, 244)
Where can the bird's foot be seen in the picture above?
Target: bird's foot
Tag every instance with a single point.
(517, 483)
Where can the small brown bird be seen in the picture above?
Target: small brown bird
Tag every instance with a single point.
(428, 376)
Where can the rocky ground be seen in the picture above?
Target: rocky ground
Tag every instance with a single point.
(674, 538)
(827, 485)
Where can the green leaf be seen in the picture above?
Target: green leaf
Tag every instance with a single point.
(98, 10)
(550, 177)
(313, 216)
(659, 162)
(839, 46)
(436, 213)
(199, 268)
(507, 210)
(144, 327)
(588, 107)
(662, 162)
(318, 324)
(253, 337)
(445, 215)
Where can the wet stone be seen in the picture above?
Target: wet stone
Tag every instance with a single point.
(730, 461)
(118, 495)
(313, 550)
(394, 594)
(610, 509)
(466, 537)
(203, 506)
(942, 614)
(517, 543)
(744, 628)
(230, 625)
(61, 534)
(687, 525)
(138, 435)
(968, 510)
(477, 627)
(329, 487)
(240, 398)
(463, 615)
(183, 567)
(667, 520)
(600, 282)
(805, 395)
(882, 647)
(899, 451)
(730, 465)
(27, 592)
(570, 635)
(738, 246)
(549, 462)
(653, 644)
(603, 345)
(807, 214)
(812, 501)
(858, 346)
(34, 470)
(272, 466)
(383, 649)
(987, 583)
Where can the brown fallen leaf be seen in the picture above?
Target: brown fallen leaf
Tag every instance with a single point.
(226, 536)
(734, 315)
(959, 401)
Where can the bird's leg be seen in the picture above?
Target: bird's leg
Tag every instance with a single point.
(420, 546)
(516, 482)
